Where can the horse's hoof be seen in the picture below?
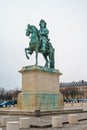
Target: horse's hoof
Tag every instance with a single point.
(46, 66)
(27, 57)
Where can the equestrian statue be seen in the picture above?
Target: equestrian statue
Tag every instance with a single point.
(40, 43)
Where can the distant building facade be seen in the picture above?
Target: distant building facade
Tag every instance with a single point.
(73, 89)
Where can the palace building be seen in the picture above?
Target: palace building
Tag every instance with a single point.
(77, 90)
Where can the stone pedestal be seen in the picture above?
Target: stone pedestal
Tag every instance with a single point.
(73, 119)
(13, 125)
(24, 122)
(4, 120)
(40, 89)
(56, 122)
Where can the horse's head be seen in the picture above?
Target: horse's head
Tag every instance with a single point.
(28, 30)
(32, 32)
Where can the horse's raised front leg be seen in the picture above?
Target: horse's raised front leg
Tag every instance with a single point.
(26, 52)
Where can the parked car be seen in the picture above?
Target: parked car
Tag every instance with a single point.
(67, 100)
(83, 100)
(7, 103)
(1, 102)
(74, 100)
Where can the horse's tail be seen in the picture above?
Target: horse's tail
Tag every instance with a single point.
(52, 62)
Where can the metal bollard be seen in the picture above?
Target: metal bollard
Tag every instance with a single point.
(37, 113)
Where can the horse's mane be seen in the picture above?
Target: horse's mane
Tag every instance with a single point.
(33, 27)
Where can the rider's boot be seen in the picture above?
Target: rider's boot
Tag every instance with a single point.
(43, 48)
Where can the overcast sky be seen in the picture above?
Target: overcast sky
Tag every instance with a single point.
(67, 24)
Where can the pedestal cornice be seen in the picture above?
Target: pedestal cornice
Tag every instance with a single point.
(39, 68)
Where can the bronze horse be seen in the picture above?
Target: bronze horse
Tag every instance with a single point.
(35, 45)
